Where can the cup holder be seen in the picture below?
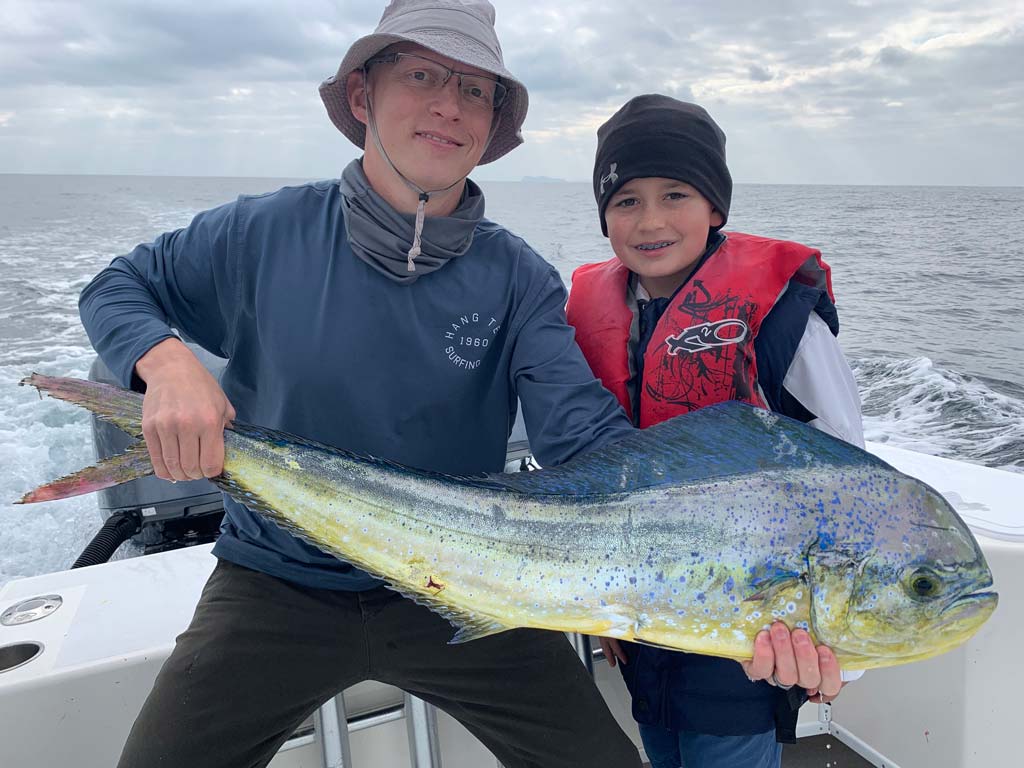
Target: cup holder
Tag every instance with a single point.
(18, 654)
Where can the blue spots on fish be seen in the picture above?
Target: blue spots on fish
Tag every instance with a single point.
(826, 540)
(729, 585)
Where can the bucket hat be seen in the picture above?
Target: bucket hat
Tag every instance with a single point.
(459, 29)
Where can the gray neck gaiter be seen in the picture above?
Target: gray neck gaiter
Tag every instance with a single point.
(382, 237)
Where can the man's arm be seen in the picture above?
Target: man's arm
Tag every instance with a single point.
(185, 279)
(566, 409)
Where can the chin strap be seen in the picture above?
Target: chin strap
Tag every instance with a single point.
(424, 195)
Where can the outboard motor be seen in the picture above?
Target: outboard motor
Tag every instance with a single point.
(156, 514)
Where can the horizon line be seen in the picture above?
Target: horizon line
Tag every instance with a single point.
(527, 180)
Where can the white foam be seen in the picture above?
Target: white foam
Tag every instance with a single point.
(918, 405)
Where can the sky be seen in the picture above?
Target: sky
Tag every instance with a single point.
(820, 91)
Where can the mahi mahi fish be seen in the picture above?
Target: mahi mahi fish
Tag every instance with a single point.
(694, 534)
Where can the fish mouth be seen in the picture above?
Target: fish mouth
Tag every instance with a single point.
(976, 604)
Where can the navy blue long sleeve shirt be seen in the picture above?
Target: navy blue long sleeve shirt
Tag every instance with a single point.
(322, 346)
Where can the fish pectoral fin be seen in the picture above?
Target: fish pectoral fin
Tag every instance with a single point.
(767, 588)
(474, 629)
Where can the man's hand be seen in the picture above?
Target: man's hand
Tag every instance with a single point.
(184, 413)
(788, 659)
(613, 650)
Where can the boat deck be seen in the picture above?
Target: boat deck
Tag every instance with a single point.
(825, 751)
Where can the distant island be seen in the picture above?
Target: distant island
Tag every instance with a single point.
(543, 179)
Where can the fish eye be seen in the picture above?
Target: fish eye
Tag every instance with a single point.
(924, 583)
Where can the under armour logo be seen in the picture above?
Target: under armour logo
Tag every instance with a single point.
(611, 178)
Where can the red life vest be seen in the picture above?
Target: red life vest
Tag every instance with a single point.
(702, 350)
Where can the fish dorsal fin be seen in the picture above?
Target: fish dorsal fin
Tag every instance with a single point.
(716, 442)
(279, 437)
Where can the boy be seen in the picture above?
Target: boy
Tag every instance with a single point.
(686, 316)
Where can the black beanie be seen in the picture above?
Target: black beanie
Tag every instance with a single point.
(656, 135)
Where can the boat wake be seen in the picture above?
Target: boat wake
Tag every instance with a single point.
(919, 405)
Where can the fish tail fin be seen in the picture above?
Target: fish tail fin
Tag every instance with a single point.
(130, 465)
(120, 407)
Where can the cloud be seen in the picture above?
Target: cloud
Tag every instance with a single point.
(894, 56)
(230, 87)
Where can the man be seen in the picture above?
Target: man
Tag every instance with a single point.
(382, 315)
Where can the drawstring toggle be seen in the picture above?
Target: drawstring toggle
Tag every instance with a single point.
(417, 231)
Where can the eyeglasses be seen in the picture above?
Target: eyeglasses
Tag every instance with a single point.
(421, 73)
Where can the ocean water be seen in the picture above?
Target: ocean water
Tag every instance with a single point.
(928, 282)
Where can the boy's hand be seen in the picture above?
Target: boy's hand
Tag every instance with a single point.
(788, 659)
(613, 650)
(184, 413)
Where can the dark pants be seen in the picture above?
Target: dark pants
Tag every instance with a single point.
(262, 654)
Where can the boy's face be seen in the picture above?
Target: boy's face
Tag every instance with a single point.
(432, 135)
(659, 229)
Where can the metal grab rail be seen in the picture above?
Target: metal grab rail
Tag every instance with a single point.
(424, 744)
(581, 644)
(331, 723)
(333, 736)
